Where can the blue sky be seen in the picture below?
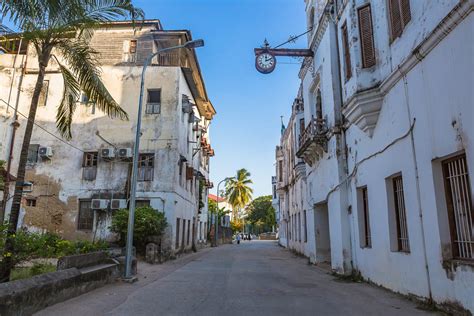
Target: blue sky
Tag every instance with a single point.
(246, 128)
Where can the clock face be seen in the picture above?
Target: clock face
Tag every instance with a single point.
(265, 63)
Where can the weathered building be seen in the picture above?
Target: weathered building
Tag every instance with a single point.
(388, 146)
(78, 184)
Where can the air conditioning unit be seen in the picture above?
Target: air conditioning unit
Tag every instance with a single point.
(45, 152)
(125, 153)
(107, 153)
(116, 204)
(99, 204)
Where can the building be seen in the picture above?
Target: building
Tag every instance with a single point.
(77, 184)
(387, 145)
(223, 203)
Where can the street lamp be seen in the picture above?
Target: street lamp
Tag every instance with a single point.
(217, 211)
(136, 146)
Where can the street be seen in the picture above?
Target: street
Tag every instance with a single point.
(253, 278)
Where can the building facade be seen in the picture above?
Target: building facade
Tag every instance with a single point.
(78, 184)
(387, 146)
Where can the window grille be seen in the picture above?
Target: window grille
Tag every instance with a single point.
(305, 227)
(146, 167)
(400, 214)
(33, 153)
(459, 206)
(86, 216)
(177, 233)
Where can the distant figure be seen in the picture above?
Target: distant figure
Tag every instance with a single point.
(238, 239)
(249, 237)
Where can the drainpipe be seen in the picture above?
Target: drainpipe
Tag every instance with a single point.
(15, 124)
(417, 178)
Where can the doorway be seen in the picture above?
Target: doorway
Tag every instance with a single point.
(321, 225)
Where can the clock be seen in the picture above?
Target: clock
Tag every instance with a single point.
(265, 62)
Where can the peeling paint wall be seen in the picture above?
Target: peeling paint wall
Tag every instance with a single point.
(58, 183)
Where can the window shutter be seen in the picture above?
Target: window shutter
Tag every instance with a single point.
(366, 37)
(395, 18)
(347, 56)
(189, 173)
(406, 14)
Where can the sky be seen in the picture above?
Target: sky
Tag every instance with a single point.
(247, 125)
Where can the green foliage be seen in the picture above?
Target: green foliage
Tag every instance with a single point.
(31, 245)
(262, 213)
(148, 223)
(238, 190)
(2, 170)
(28, 272)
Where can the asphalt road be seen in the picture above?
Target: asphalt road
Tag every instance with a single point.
(253, 278)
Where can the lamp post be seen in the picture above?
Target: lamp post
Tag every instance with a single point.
(216, 230)
(136, 146)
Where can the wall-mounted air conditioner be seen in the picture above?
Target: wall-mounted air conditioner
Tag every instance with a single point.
(125, 153)
(116, 204)
(99, 204)
(107, 153)
(45, 152)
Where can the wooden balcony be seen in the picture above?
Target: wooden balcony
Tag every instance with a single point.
(313, 142)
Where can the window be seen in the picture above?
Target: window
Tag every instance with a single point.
(365, 236)
(280, 171)
(31, 202)
(133, 47)
(299, 226)
(177, 233)
(366, 36)
(184, 231)
(399, 16)
(86, 215)
(305, 227)
(33, 153)
(319, 105)
(311, 19)
(459, 206)
(89, 166)
(142, 203)
(153, 102)
(84, 99)
(43, 97)
(146, 167)
(347, 54)
(302, 126)
(400, 215)
(189, 232)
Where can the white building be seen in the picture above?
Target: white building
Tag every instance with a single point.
(388, 143)
(78, 184)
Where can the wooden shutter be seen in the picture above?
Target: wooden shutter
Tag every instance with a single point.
(406, 14)
(395, 19)
(366, 36)
(189, 173)
(347, 55)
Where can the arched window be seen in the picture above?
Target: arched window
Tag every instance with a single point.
(319, 105)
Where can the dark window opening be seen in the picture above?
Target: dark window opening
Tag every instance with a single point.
(85, 216)
(146, 167)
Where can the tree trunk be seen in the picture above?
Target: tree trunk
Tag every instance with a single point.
(9, 249)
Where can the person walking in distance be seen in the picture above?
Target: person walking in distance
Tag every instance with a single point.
(238, 239)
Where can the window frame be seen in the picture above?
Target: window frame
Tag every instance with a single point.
(146, 167)
(370, 28)
(153, 107)
(403, 23)
(32, 152)
(90, 218)
(400, 214)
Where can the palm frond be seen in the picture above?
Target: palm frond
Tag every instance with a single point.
(68, 103)
(82, 60)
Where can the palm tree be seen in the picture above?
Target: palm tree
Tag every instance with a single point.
(62, 27)
(238, 192)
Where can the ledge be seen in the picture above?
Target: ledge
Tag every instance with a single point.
(363, 109)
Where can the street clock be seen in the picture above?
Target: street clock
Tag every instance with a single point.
(265, 62)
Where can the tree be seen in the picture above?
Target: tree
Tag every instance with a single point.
(212, 207)
(64, 27)
(238, 190)
(262, 213)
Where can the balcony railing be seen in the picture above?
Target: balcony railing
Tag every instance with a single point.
(313, 141)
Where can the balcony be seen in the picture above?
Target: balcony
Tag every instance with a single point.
(313, 142)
